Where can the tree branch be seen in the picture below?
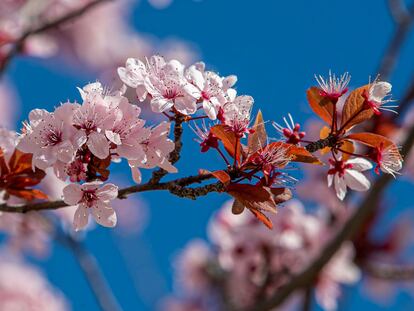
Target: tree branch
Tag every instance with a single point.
(390, 272)
(349, 229)
(19, 43)
(404, 23)
(177, 187)
(93, 274)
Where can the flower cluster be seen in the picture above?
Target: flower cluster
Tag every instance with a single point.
(170, 85)
(249, 263)
(23, 287)
(79, 141)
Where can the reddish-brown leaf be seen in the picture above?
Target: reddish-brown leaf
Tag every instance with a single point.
(258, 139)
(222, 176)
(370, 139)
(322, 106)
(254, 197)
(296, 153)
(17, 175)
(237, 207)
(348, 148)
(28, 194)
(263, 218)
(281, 195)
(354, 110)
(228, 139)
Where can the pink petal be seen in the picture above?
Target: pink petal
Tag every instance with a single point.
(107, 192)
(72, 194)
(356, 180)
(340, 187)
(360, 164)
(104, 214)
(160, 104)
(98, 145)
(66, 152)
(81, 217)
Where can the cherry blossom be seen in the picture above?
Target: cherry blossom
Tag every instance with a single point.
(291, 133)
(235, 115)
(339, 270)
(94, 198)
(376, 99)
(211, 89)
(164, 81)
(23, 287)
(348, 174)
(206, 138)
(333, 87)
(50, 137)
(157, 148)
(388, 159)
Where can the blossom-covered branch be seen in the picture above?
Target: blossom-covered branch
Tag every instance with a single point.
(350, 228)
(18, 44)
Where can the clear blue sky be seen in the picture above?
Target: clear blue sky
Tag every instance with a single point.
(275, 48)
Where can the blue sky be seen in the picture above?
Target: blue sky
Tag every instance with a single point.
(275, 48)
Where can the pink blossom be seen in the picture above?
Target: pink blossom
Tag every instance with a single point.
(164, 81)
(128, 133)
(98, 113)
(91, 198)
(333, 87)
(157, 149)
(376, 99)
(50, 137)
(210, 89)
(26, 233)
(339, 270)
(22, 287)
(348, 174)
(235, 114)
(192, 266)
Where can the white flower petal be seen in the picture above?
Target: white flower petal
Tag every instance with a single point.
(356, 180)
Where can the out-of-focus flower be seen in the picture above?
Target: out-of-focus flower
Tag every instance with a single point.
(252, 262)
(348, 174)
(94, 198)
(9, 104)
(339, 270)
(22, 287)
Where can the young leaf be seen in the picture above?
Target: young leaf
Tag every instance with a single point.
(237, 207)
(17, 175)
(254, 197)
(263, 218)
(348, 147)
(257, 139)
(322, 106)
(228, 139)
(354, 110)
(370, 139)
(222, 176)
(324, 133)
(296, 153)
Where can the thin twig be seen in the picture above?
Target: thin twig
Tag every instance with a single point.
(19, 43)
(349, 229)
(172, 186)
(391, 54)
(307, 299)
(392, 272)
(93, 274)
